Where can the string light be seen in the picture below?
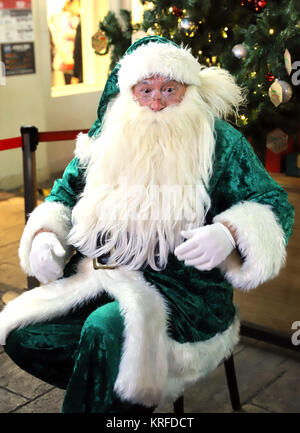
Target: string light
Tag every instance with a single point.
(224, 34)
(271, 31)
(244, 119)
(151, 31)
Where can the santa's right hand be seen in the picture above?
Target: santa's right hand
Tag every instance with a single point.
(47, 257)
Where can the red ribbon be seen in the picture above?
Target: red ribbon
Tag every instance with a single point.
(10, 143)
(13, 143)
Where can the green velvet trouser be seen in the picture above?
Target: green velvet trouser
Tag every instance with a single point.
(80, 353)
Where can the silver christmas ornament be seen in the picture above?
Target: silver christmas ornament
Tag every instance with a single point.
(287, 91)
(240, 51)
(187, 26)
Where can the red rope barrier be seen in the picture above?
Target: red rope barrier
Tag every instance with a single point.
(14, 143)
(10, 143)
(60, 135)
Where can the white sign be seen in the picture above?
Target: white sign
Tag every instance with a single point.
(16, 25)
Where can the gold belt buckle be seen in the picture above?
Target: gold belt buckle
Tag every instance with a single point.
(97, 265)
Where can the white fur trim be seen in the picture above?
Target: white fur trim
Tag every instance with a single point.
(49, 215)
(83, 149)
(260, 240)
(143, 368)
(153, 368)
(190, 362)
(50, 300)
(157, 58)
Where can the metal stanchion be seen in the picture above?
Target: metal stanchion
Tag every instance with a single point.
(30, 139)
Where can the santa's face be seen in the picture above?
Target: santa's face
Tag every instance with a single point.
(158, 92)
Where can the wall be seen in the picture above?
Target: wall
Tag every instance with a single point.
(27, 99)
(21, 103)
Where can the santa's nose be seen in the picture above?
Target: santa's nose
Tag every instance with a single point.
(158, 102)
(157, 105)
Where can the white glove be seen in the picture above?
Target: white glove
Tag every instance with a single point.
(206, 246)
(47, 257)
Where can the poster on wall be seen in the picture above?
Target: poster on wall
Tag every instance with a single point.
(18, 58)
(16, 36)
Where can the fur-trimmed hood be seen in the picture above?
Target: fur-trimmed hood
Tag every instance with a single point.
(156, 55)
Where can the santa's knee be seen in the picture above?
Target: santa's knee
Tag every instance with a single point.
(104, 324)
(16, 344)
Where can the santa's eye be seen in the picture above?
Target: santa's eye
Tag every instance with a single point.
(169, 90)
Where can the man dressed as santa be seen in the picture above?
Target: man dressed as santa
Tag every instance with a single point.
(163, 210)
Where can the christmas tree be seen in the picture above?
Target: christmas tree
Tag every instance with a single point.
(247, 37)
(117, 33)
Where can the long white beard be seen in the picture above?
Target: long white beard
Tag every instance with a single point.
(146, 181)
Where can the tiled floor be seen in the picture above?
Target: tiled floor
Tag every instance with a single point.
(268, 376)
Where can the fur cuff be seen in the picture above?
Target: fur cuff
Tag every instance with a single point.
(49, 215)
(261, 243)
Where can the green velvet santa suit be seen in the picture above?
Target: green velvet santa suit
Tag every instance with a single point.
(89, 351)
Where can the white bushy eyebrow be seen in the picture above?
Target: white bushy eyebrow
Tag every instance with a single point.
(148, 82)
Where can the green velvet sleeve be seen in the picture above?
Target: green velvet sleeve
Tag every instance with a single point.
(245, 179)
(68, 189)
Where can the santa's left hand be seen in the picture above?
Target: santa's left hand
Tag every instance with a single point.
(206, 247)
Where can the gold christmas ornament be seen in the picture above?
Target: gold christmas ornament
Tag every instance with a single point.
(99, 41)
(288, 61)
(280, 92)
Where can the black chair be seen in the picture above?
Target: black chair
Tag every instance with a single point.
(232, 387)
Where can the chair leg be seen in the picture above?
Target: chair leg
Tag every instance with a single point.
(232, 383)
(179, 405)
